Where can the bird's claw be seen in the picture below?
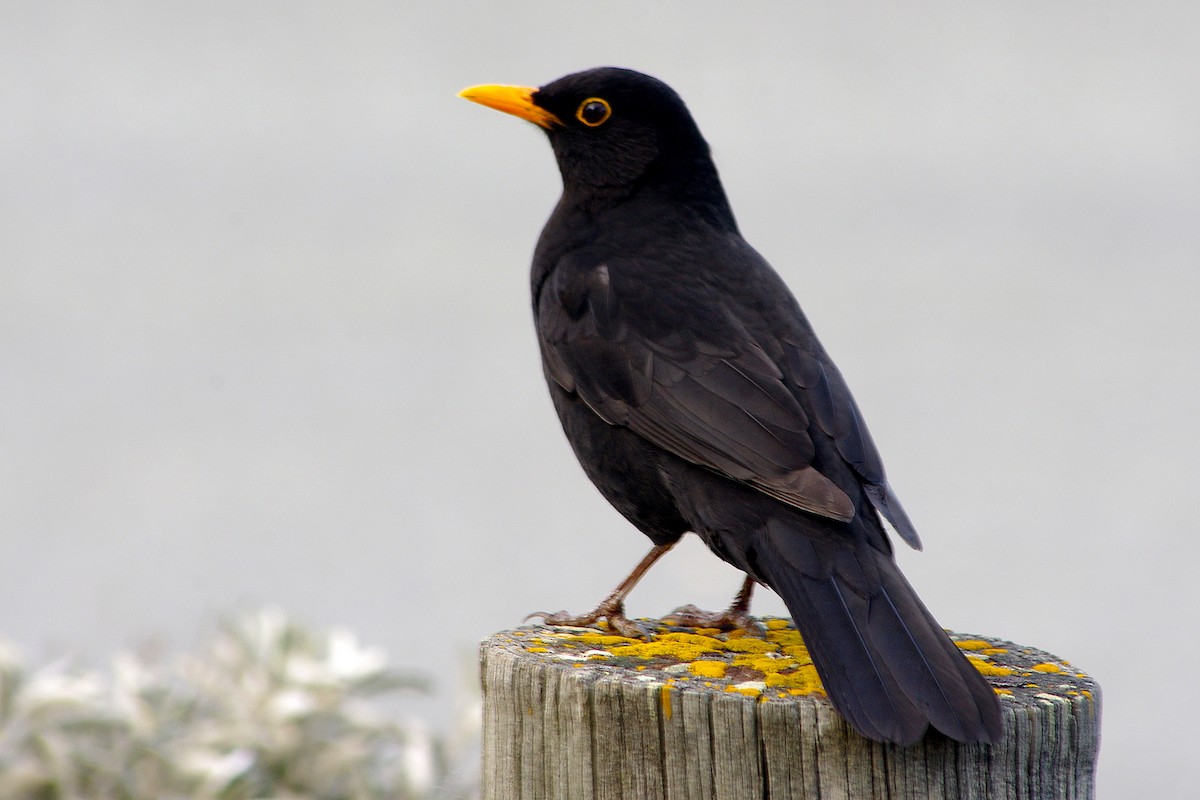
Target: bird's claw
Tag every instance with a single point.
(730, 619)
(612, 614)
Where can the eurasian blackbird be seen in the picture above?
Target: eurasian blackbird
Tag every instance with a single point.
(698, 399)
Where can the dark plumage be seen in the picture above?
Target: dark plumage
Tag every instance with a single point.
(697, 398)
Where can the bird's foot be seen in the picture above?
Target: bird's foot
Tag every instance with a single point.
(732, 618)
(612, 612)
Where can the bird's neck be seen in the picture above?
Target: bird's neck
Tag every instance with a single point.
(587, 216)
(678, 183)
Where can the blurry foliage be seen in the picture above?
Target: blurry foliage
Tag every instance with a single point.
(271, 709)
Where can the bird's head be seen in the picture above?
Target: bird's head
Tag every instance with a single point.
(612, 129)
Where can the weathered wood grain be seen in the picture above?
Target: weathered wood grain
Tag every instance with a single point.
(697, 715)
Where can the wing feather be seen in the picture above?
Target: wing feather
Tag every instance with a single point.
(720, 404)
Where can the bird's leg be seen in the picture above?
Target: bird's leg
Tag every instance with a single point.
(612, 608)
(735, 617)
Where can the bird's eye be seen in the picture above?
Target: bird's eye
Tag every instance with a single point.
(593, 112)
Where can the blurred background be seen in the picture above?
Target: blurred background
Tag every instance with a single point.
(265, 334)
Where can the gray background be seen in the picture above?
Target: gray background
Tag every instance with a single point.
(264, 332)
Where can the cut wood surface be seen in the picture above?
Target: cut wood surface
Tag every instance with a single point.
(697, 713)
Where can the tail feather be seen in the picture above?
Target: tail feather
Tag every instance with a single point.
(956, 698)
(886, 664)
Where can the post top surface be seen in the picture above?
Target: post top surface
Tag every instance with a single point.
(773, 669)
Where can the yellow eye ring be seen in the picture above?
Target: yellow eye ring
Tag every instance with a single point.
(593, 112)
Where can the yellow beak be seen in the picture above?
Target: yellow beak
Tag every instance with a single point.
(515, 100)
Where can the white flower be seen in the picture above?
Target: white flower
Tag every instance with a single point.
(53, 686)
(308, 671)
(131, 678)
(351, 661)
(217, 770)
(291, 703)
(10, 657)
(419, 766)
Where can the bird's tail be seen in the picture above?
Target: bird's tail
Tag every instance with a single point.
(886, 664)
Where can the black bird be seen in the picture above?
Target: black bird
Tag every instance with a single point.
(697, 398)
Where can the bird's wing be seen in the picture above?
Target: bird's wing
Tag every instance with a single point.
(829, 400)
(704, 390)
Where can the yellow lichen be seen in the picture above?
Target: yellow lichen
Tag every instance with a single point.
(748, 646)
(603, 639)
(677, 650)
(802, 681)
(697, 640)
(781, 661)
(763, 663)
(797, 651)
(986, 668)
(973, 644)
(708, 669)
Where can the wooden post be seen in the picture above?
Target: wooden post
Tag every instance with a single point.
(694, 714)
